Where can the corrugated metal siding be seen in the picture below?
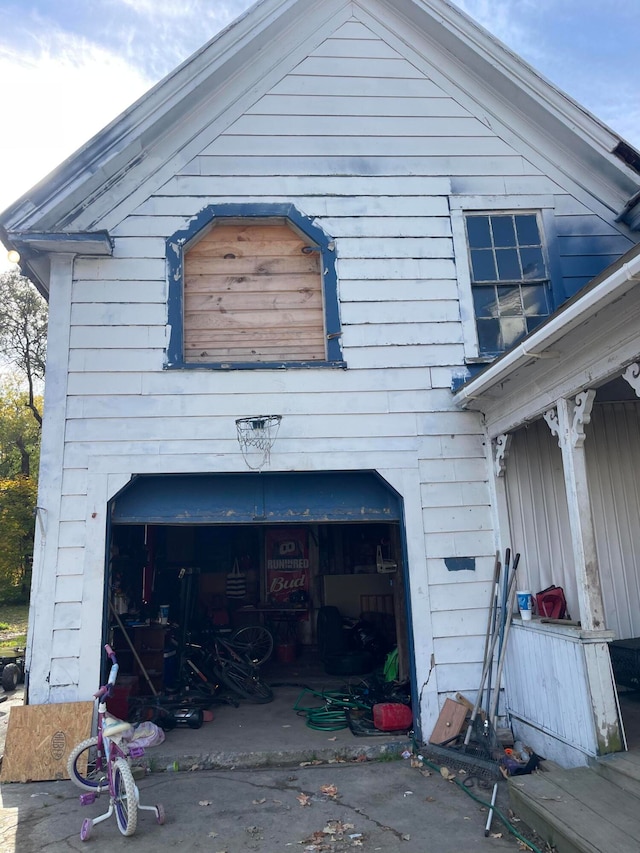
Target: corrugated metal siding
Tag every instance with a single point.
(538, 513)
(613, 459)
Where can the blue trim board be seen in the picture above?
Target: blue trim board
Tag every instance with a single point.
(178, 243)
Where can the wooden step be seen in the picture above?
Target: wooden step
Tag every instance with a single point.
(621, 768)
(577, 811)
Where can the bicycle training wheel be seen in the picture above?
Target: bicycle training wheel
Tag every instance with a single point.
(244, 680)
(254, 642)
(125, 798)
(87, 767)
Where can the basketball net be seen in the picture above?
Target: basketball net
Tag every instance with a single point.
(256, 436)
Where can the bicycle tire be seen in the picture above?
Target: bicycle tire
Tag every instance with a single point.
(94, 778)
(125, 800)
(243, 680)
(255, 642)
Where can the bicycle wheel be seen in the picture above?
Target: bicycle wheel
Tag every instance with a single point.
(254, 642)
(244, 680)
(87, 766)
(125, 798)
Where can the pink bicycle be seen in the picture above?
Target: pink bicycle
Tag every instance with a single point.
(101, 764)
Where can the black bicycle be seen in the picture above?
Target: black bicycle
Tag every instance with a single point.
(223, 661)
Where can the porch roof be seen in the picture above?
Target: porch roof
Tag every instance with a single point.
(589, 340)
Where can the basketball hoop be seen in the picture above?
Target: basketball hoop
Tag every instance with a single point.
(256, 436)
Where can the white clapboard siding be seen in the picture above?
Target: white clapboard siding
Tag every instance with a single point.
(429, 311)
(345, 106)
(402, 334)
(456, 518)
(510, 163)
(71, 561)
(453, 494)
(401, 291)
(466, 596)
(303, 185)
(408, 356)
(114, 291)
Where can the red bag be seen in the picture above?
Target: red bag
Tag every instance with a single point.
(551, 603)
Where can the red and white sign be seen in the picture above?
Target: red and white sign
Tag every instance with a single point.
(287, 563)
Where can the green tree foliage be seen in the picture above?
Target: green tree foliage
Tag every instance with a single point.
(17, 505)
(19, 431)
(23, 333)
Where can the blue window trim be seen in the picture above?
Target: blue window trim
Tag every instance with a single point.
(178, 243)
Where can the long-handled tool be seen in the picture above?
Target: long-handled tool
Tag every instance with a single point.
(133, 649)
(491, 626)
(487, 664)
(493, 712)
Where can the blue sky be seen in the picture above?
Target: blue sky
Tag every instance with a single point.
(67, 67)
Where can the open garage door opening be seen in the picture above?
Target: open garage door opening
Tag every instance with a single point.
(307, 571)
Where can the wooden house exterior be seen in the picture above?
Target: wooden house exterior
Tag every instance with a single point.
(283, 225)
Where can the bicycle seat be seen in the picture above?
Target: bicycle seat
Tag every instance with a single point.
(116, 727)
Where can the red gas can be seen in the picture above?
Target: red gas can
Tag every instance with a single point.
(392, 717)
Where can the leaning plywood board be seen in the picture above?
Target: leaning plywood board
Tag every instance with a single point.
(40, 738)
(449, 723)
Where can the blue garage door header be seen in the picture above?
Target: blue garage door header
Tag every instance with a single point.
(257, 499)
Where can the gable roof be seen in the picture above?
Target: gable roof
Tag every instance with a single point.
(84, 190)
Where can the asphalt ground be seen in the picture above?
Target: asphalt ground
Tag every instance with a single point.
(392, 806)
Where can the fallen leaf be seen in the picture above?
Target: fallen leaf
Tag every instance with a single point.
(426, 772)
(205, 803)
(332, 738)
(303, 799)
(361, 758)
(212, 834)
(447, 774)
(429, 799)
(259, 802)
(330, 791)
(406, 837)
(467, 818)
(496, 835)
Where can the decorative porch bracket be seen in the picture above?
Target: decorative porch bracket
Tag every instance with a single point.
(632, 376)
(501, 447)
(567, 421)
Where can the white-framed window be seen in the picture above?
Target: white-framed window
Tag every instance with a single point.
(510, 282)
(505, 269)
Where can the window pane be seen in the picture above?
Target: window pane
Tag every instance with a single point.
(527, 228)
(478, 232)
(536, 301)
(484, 302)
(489, 336)
(508, 265)
(503, 231)
(513, 328)
(510, 301)
(533, 322)
(482, 263)
(532, 264)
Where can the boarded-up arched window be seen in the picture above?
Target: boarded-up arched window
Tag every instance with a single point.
(253, 293)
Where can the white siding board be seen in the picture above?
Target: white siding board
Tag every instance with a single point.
(349, 106)
(459, 597)
(422, 127)
(427, 311)
(110, 337)
(336, 48)
(455, 623)
(118, 314)
(320, 206)
(456, 519)
(427, 247)
(68, 588)
(362, 146)
(383, 357)
(453, 470)
(354, 30)
(73, 508)
(399, 69)
(105, 383)
(439, 574)
(145, 292)
(462, 544)
(352, 290)
(133, 361)
(70, 562)
(361, 86)
(65, 671)
(380, 165)
(124, 269)
(67, 615)
(401, 335)
(139, 247)
(449, 650)
(397, 268)
(149, 226)
(72, 534)
(304, 185)
(63, 642)
(459, 677)
(454, 494)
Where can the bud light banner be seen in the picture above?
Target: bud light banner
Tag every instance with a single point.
(287, 564)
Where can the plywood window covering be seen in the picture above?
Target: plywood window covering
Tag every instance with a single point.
(253, 293)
